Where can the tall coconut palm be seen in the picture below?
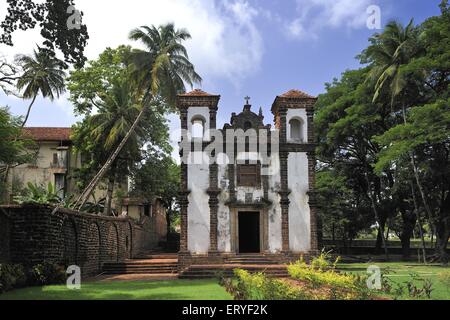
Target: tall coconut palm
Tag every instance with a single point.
(42, 74)
(391, 50)
(395, 47)
(160, 71)
(164, 66)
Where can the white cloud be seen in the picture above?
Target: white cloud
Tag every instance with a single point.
(315, 15)
(226, 44)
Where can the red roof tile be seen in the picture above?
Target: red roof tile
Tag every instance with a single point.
(296, 94)
(47, 134)
(197, 93)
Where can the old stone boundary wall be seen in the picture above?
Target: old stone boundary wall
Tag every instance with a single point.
(32, 234)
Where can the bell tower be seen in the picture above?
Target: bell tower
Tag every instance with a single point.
(198, 202)
(293, 116)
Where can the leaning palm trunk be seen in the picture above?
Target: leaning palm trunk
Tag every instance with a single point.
(91, 186)
(82, 199)
(110, 192)
(28, 111)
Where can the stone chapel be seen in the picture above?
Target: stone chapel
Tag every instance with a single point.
(240, 204)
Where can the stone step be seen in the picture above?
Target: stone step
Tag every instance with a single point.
(239, 266)
(159, 265)
(150, 261)
(157, 256)
(139, 264)
(212, 271)
(244, 261)
(137, 268)
(198, 275)
(162, 272)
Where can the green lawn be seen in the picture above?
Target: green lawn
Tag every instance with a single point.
(399, 272)
(208, 289)
(126, 290)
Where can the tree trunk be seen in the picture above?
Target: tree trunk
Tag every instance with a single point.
(109, 195)
(377, 218)
(29, 110)
(443, 231)
(419, 183)
(409, 222)
(379, 241)
(419, 223)
(168, 223)
(442, 242)
(91, 186)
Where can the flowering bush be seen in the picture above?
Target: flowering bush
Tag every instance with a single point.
(320, 272)
(257, 286)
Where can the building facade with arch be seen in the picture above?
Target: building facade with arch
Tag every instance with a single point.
(253, 192)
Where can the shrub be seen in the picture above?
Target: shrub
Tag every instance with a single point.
(38, 194)
(11, 276)
(321, 273)
(257, 286)
(47, 273)
(322, 262)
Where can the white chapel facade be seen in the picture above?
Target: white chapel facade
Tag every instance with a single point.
(256, 194)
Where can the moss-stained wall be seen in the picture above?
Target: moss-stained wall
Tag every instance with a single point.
(33, 235)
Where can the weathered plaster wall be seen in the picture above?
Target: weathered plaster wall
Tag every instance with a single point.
(275, 209)
(42, 172)
(198, 208)
(299, 216)
(223, 213)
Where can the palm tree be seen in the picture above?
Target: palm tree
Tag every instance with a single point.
(160, 71)
(42, 74)
(109, 126)
(164, 66)
(391, 50)
(395, 47)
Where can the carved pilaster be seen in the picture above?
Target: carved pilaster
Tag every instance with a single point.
(310, 125)
(231, 186)
(315, 233)
(213, 202)
(284, 201)
(183, 202)
(212, 117)
(282, 111)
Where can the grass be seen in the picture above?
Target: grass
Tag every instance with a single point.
(126, 290)
(400, 273)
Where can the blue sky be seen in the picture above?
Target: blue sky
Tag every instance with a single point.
(240, 47)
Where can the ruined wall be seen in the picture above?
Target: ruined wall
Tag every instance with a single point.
(69, 237)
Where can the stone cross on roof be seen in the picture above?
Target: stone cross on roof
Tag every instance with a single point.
(247, 100)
